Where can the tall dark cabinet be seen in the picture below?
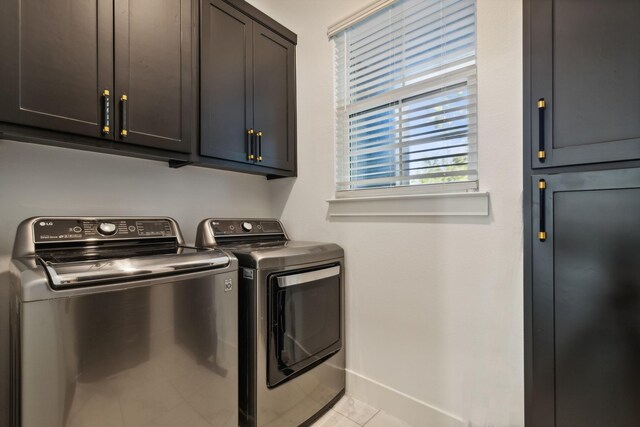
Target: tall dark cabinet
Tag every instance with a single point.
(247, 94)
(582, 213)
(585, 81)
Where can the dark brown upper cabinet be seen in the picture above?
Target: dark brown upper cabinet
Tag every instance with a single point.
(148, 78)
(59, 60)
(274, 98)
(585, 82)
(153, 73)
(226, 82)
(247, 89)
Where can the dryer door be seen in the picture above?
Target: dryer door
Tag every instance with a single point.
(304, 315)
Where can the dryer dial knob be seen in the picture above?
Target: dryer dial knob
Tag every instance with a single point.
(107, 228)
(247, 226)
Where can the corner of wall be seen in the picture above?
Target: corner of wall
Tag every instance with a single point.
(398, 404)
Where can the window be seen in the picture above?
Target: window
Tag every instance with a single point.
(405, 89)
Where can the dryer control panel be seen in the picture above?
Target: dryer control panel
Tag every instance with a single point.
(235, 227)
(85, 229)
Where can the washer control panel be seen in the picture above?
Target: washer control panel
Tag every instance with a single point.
(62, 229)
(231, 227)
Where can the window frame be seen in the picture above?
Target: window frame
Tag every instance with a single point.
(397, 192)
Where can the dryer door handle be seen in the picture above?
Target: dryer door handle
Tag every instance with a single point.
(309, 276)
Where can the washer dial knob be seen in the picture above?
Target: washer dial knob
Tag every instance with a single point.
(107, 228)
(247, 226)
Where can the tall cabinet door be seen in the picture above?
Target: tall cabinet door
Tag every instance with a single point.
(153, 73)
(585, 81)
(57, 61)
(226, 85)
(586, 299)
(274, 98)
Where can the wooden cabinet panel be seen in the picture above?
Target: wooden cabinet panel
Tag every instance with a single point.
(226, 85)
(582, 284)
(586, 299)
(274, 98)
(586, 66)
(247, 79)
(57, 61)
(153, 70)
(157, 67)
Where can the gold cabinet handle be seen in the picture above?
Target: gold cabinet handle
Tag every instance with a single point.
(250, 144)
(106, 112)
(542, 231)
(542, 106)
(259, 146)
(123, 120)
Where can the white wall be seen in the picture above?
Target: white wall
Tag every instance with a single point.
(434, 305)
(40, 180)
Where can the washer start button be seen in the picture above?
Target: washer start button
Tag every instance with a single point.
(107, 228)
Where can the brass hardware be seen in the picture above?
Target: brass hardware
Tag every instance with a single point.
(542, 104)
(259, 157)
(250, 156)
(123, 116)
(106, 111)
(259, 133)
(542, 187)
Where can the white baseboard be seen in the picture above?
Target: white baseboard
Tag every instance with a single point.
(402, 406)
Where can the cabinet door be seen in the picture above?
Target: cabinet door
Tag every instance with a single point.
(57, 59)
(153, 71)
(585, 65)
(586, 300)
(226, 87)
(274, 98)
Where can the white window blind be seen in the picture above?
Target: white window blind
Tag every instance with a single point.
(406, 98)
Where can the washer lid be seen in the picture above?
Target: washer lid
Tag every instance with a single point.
(88, 270)
(284, 253)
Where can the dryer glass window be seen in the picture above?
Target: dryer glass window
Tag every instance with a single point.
(305, 321)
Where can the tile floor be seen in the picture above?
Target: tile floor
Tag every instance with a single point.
(350, 412)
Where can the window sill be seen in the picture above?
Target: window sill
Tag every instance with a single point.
(411, 205)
